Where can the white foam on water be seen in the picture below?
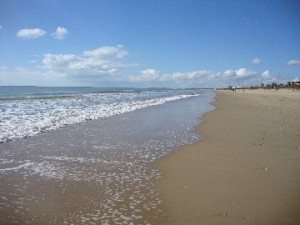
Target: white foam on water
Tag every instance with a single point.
(22, 166)
(24, 118)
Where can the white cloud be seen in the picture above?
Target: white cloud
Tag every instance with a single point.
(240, 73)
(60, 33)
(194, 75)
(293, 62)
(103, 64)
(266, 74)
(150, 75)
(153, 75)
(150, 72)
(60, 61)
(256, 61)
(146, 76)
(31, 33)
(268, 77)
(101, 61)
(105, 52)
(203, 78)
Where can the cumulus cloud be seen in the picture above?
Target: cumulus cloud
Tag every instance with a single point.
(146, 76)
(256, 61)
(240, 73)
(31, 33)
(153, 75)
(104, 60)
(194, 75)
(266, 74)
(60, 33)
(105, 52)
(293, 62)
(204, 78)
(150, 72)
(60, 61)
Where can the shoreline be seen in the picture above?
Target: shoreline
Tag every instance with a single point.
(96, 172)
(246, 168)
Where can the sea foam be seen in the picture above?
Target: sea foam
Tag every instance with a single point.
(28, 116)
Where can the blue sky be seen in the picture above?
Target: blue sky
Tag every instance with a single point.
(140, 43)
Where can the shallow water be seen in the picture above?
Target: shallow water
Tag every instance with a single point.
(27, 111)
(98, 171)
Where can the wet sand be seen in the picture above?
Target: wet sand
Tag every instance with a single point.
(246, 170)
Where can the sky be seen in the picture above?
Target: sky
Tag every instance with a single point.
(149, 43)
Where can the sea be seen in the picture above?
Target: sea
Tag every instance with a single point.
(85, 155)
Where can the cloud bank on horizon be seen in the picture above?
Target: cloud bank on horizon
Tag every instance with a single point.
(208, 52)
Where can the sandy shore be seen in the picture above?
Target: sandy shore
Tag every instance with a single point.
(246, 170)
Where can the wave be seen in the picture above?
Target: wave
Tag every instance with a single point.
(24, 119)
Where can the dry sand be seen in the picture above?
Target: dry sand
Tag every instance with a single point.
(246, 170)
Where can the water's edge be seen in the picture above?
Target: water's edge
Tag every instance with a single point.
(112, 157)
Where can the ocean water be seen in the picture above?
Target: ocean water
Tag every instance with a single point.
(94, 163)
(27, 111)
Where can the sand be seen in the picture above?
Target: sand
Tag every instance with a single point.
(246, 170)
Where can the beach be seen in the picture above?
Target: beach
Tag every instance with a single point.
(153, 165)
(246, 169)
